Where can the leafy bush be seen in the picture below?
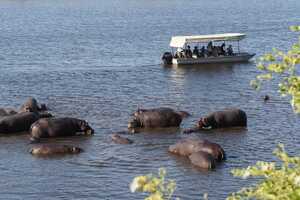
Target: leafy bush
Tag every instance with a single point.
(281, 180)
(284, 66)
(156, 186)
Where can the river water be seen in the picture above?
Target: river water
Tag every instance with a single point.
(100, 60)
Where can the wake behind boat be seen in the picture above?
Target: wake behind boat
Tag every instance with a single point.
(210, 53)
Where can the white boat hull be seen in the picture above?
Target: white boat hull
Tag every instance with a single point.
(241, 57)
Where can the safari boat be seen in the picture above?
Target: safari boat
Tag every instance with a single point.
(207, 49)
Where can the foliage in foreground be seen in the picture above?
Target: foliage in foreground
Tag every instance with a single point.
(157, 187)
(280, 180)
(284, 66)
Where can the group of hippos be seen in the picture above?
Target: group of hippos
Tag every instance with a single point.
(36, 120)
(201, 153)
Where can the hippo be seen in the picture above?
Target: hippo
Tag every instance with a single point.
(156, 118)
(120, 140)
(19, 122)
(7, 112)
(48, 150)
(203, 160)
(58, 127)
(202, 153)
(186, 147)
(221, 119)
(31, 105)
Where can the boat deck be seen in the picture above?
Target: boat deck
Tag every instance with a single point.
(239, 57)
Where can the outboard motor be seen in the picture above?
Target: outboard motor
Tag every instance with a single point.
(167, 58)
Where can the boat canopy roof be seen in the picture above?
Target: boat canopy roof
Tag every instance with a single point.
(180, 41)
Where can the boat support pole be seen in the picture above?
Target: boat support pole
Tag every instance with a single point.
(238, 46)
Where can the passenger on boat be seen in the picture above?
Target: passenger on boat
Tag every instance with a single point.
(196, 52)
(203, 52)
(223, 52)
(230, 50)
(188, 52)
(218, 50)
(209, 48)
(215, 51)
(179, 53)
(176, 55)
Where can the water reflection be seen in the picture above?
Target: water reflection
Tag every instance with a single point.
(206, 68)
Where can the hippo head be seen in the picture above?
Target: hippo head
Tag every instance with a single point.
(200, 123)
(28, 109)
(85, 127)
(203, 124)
(134, 123)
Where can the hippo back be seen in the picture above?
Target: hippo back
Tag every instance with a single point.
(215, 150)
(39, 129)
(18, 122)
(227, 118)
(188, 146)
(161, 117)
(203, 160)
(63, 126)
(47, 150)
(7, 111)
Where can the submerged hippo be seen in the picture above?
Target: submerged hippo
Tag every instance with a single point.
(221, 119)
(186, 147)
(47, 150)
(59, 127)
(155, 118)
(201, 153)
(120, 140)
(19, 122)
(31, 105)
(203, 160)
(7, 112)
(266, 98)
